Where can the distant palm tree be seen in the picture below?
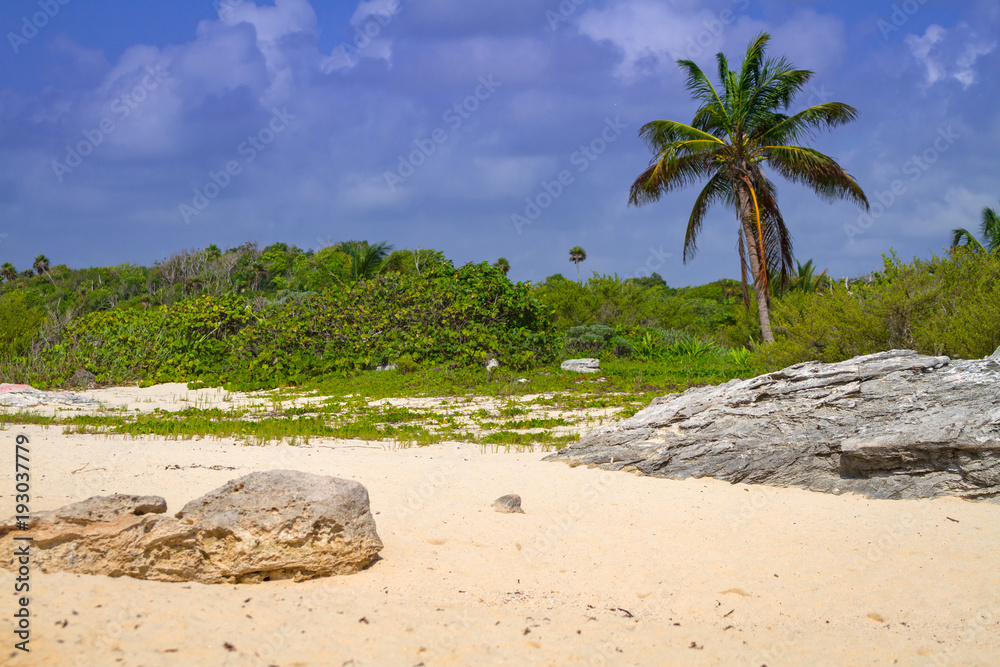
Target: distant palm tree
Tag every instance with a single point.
(213, 252)
(577, 255)
(734, 132)
(8, 272)
(41, 264)
(805, 279)
(990, 229)
(366, 258)
(502, 264)
(258, 274)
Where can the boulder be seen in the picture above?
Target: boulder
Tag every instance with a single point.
(509, 504)
(260, 527)
(581, 365)
(492, 365)
(895, 424)
(20, 396)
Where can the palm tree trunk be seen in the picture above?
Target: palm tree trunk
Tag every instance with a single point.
(759, 286)
(748, 220)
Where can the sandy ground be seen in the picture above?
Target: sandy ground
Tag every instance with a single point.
(602, 569)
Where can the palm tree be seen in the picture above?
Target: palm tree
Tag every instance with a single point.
(41, 264)
(990, 229)
(502, 264)
(577, 255)
(732, 135)
(806, 279)
(8, 272)
(366, 258)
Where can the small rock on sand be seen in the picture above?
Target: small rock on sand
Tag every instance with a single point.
(509, 504)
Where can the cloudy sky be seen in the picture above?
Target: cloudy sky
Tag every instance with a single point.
(130, 130)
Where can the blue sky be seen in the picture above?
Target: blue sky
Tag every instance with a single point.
(131, 130)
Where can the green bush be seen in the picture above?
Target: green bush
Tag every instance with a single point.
(942, 306)
(457, 317)
(622, 348)
(588, 340)
(20, 323)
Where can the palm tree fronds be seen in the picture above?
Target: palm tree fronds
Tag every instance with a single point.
(807, 122)
(820, 172)
(666, 173)
(659, 134)
(991, 229)
(718, 189)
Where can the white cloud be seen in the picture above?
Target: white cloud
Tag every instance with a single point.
(651, 35)
(369, 21)
(946, 54)
(272, 25)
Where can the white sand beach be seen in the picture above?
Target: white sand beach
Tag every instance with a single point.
(601, 569)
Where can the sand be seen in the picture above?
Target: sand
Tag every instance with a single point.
(601, 569)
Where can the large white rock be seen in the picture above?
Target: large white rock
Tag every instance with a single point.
(581, 365)
(894, 424)
(260, 527)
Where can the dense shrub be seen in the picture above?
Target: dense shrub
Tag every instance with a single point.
(630, 305)
(942, 306)
(588, 340)
(20, 323)
(455, 317)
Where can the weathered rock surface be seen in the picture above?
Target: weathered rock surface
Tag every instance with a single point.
(509, 504)
(890, 425)
(104, 508)
(581, 365)
(23, 396)
(260, 527)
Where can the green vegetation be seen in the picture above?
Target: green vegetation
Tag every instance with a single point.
(942, 306)
(454, 317)
(732, 135)
(310, 320)
(20, 323)
(990, 229)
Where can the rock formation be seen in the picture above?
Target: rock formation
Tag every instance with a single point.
(20, 396)
(581, 365)
(890, 425)
(264, 526)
